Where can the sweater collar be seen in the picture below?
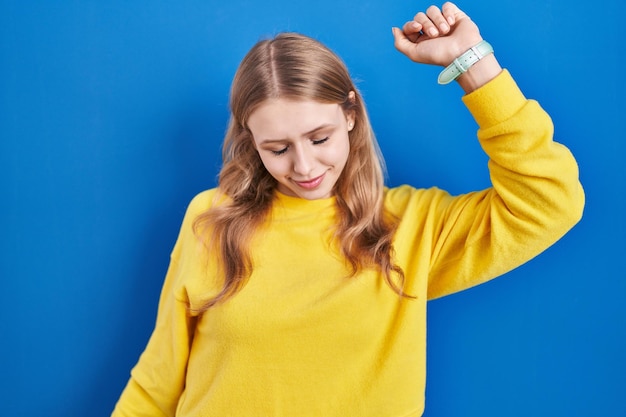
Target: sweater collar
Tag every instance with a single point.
(302, 204)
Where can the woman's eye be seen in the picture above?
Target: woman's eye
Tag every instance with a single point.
(320, 141)
(280, 151)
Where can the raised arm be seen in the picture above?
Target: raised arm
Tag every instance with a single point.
(535, 197)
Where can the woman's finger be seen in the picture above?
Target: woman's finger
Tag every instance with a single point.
(412, 27)
(428, 27)
(438, 19)
(450, 11)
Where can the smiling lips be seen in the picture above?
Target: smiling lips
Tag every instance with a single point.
(311, 184)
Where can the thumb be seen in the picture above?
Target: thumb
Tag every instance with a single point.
(402, 42)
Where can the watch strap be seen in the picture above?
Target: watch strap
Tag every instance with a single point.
(464, 62)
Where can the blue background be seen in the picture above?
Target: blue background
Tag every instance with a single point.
(111, 120)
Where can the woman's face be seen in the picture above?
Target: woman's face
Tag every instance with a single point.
(304, 144)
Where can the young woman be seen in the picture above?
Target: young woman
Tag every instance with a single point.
(298, 286)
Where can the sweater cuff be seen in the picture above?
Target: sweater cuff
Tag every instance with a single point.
(495, 101)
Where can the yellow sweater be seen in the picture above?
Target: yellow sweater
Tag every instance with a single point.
(301, 339)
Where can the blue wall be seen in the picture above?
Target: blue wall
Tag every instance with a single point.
(111, 118)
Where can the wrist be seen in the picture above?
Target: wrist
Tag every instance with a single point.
(479, 74)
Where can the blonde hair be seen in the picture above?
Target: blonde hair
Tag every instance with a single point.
(294, 66)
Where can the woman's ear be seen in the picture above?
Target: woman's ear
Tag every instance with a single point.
(350, 120)
(351, 115)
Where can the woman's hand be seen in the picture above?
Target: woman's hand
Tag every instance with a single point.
(437, 36)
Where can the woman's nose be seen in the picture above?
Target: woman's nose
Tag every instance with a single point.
(302, 163)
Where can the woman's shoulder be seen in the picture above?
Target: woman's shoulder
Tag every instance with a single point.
(199, 204)
(398, 198)
(205, 200)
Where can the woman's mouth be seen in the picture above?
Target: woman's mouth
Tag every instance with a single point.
(310, 184)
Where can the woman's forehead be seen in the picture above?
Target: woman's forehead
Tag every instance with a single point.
(280, 118)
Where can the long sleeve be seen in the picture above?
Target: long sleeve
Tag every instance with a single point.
(158, 379)
(535, 199)
(457, 242)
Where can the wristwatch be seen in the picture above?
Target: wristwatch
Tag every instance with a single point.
(464, 62)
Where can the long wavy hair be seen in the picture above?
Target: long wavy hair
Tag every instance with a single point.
(294, 66)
